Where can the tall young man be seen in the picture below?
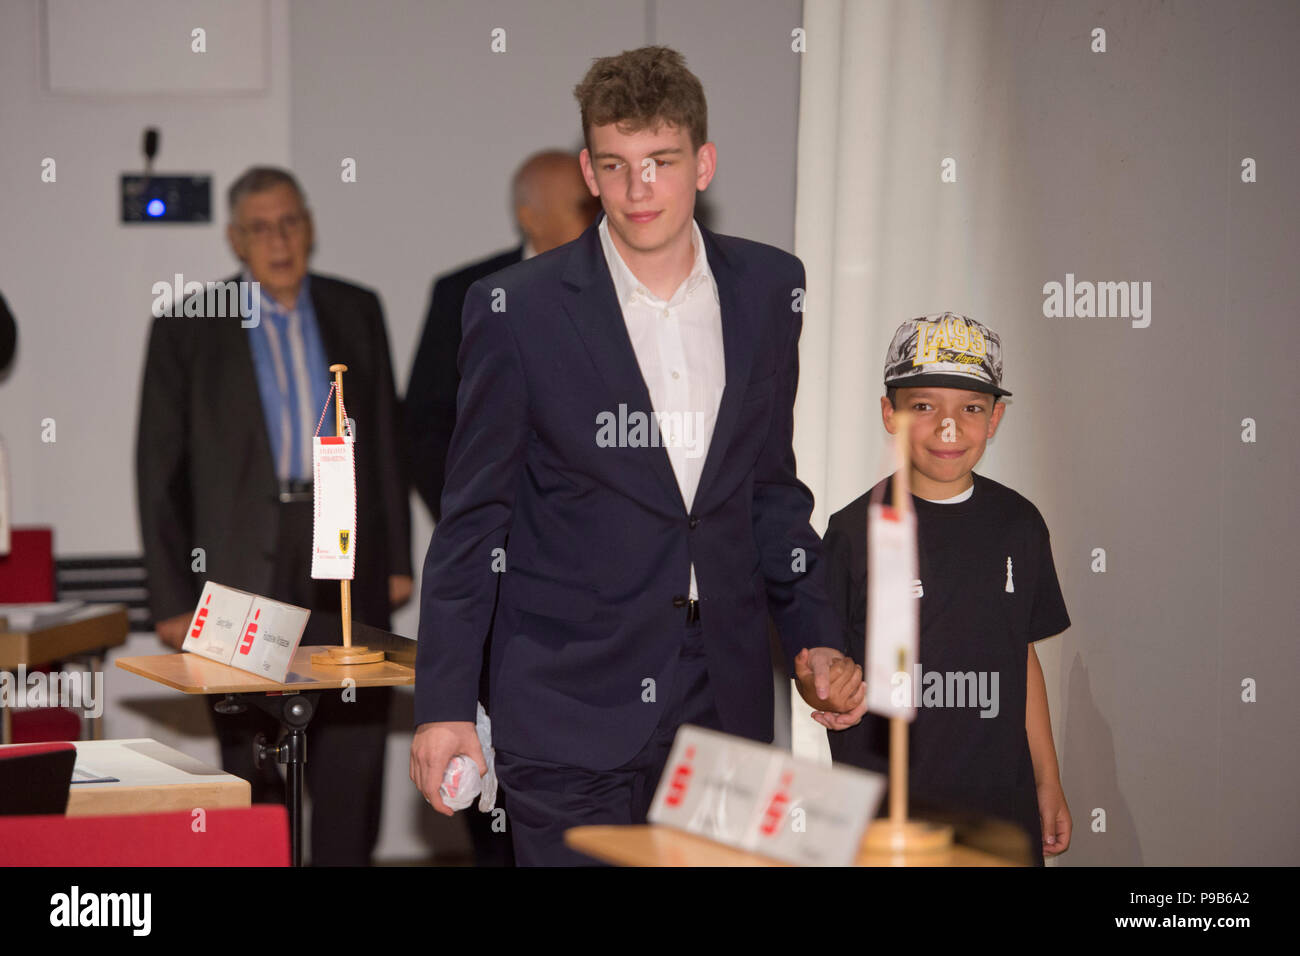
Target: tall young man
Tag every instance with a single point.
(622, 474)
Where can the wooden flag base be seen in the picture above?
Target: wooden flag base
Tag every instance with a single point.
(339, 656)
(907, 836)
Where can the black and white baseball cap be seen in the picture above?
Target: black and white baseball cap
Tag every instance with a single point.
(946, 350)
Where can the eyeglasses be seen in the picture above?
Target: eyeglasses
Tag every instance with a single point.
(262, 231)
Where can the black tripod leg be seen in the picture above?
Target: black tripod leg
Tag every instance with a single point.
(294, 712)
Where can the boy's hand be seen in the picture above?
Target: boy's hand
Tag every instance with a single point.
(832, 684)
(1055, 818)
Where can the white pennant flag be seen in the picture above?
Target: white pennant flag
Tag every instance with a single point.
(893, 612)
(333, 551)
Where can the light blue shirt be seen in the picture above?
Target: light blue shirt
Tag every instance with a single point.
(293, 379)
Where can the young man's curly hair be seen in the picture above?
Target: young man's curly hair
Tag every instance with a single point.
(639, 89)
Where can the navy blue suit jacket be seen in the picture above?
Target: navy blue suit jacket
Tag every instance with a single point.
(597, 542)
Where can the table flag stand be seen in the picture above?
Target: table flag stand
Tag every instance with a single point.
(347, 654)
(896, 833)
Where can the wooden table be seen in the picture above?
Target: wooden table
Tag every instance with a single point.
(653, 845)
(152, 778)
(292, 702)
(191, 674)
(88, 631)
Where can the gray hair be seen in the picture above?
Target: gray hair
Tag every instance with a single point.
(258, 179)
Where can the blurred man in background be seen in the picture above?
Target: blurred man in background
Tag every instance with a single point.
(552, 206)
(224, 464)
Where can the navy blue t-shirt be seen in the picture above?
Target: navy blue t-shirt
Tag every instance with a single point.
(968, 749)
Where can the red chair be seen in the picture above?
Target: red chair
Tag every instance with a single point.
(27, 571)
(248, 836)
(27, 577)
(35, 778)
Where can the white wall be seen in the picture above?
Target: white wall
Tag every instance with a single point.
(437, 124)
(1123, 165)
(79, 284)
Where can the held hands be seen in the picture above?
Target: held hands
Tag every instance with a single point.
(1055, 816)
(433, 747)
(832, 684)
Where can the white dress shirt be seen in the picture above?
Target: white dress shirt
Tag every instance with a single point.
(678, 346)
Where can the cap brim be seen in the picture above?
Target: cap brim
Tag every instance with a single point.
(963, 382)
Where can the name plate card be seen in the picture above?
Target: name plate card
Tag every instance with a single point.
(218, 622)
(272, 633)
(246, 631)
(758, 798)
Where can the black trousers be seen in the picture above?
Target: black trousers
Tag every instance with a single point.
(345, 739)
(547, 799)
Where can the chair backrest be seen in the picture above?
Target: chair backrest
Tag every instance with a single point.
(35, 778)
(27, 571)
(248, 836)
(107, 579)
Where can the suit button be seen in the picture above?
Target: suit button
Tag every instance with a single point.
(693, 522)
(679, 600)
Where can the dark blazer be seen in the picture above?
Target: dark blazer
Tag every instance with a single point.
(204, 471)
(430, 405)
(8, 335)
(600, 543)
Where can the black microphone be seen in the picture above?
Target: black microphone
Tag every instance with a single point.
(150, 148)
(8, 335)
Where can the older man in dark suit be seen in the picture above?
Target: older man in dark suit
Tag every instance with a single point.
(228, 408)
(551, 206)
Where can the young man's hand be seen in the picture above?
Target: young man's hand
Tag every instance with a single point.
(1055, 817)
(831, 683)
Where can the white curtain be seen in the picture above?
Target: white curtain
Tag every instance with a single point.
(890, 89)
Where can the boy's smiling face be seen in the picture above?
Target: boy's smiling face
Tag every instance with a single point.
(948, 433)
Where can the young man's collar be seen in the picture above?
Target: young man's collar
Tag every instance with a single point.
(627, 285)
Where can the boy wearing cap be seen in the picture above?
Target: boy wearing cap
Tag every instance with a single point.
(982, 738)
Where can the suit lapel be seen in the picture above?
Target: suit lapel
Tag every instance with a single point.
(738, 350)
(246, 396)
(328, 323)
(593, 306)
